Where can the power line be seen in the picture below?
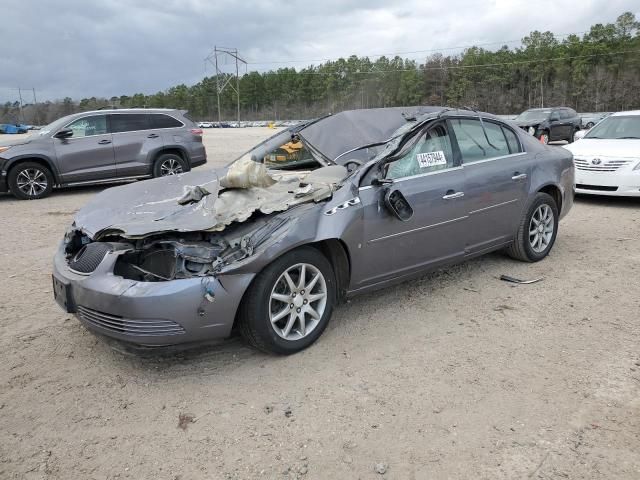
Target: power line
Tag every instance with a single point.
(410, 52)
(484, 65)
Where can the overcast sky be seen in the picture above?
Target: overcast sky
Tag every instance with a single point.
(79, 49)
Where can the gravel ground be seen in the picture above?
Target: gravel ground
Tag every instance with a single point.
(456, 375)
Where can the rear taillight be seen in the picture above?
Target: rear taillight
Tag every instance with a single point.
(196, 131)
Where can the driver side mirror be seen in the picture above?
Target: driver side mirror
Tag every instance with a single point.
(64, 133)
(580, 134)
(395, 201)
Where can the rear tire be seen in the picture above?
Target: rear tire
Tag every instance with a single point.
(275, 318)
(169, 164)
(537, 230)
(590, 125)
(30, 181)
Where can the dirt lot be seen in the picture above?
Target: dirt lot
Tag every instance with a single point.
(457, 375)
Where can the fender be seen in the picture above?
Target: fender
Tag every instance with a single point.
(19, 158)
(173, 146)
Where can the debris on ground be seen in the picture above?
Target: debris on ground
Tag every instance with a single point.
(507, 278)
(184, 419)
(381, 468)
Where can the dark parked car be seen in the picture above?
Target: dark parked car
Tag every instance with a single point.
(322, 211)
(550, 124)
(99, 147)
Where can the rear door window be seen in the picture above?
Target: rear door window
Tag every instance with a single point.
(474, 145)
(129, 122)
(160, 120)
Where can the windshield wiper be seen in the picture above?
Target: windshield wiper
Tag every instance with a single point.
(621, 138)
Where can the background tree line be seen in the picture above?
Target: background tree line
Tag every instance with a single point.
(599, 71)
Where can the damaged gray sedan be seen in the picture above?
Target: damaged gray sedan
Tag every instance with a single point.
(319, 212)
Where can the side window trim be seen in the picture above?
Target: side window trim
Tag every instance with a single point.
(108, 123)
(149, 127)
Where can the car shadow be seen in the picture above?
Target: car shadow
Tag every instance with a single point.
(67, 192)
(234, 353)
(608, 201)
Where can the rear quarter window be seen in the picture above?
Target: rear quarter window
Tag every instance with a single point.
(512, 140)
(159, 120)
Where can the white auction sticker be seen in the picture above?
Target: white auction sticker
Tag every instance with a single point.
(431, 159)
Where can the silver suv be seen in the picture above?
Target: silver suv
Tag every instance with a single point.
(101, 146)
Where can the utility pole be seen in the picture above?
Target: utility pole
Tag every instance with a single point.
(35, 105)
(21, 114)
(222, 82)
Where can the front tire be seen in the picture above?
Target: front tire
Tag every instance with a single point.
(573, 135)
(544, 137)
(537, 230)
(289, 304)
(169, 164)
(30, 181)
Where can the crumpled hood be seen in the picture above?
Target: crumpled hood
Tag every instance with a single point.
(196, 201)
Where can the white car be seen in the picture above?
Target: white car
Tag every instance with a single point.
(607, 157)
(205, 125)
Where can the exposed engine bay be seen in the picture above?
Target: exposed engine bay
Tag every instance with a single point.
(175, 256)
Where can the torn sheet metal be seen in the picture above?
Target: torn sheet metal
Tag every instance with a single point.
(180, 204)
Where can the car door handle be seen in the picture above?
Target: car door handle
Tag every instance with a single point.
(104, 142)
(519, 176)
(153, 135)
(451, 195)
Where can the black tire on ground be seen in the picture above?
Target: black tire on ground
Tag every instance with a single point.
(169, 164)
(573, 136)
(254, 319)
(590, 125)
(521, 248)
(30, 181)
(542, 134)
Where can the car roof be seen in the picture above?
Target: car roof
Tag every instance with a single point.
(630, 112)
(131, 110)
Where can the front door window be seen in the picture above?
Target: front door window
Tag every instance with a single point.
(89, 126)
(432, 152)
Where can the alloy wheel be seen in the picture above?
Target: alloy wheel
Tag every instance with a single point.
(298, 301)
(170, 166)
(32, 182)
(541, 228)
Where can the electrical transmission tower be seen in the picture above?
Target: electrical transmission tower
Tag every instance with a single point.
(218, 57)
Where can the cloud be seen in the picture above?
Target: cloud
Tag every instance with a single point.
(76, 49)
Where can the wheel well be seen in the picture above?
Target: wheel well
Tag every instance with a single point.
(555, 193)
(175, 151)
(37, 160)
(338, 254)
